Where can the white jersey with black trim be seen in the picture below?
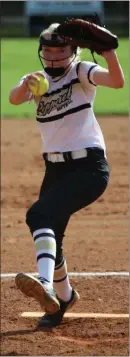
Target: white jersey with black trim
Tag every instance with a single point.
(65, 113)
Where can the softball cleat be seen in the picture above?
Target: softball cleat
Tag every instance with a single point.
(40, 291)
(54, 320)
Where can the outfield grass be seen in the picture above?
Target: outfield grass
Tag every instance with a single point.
(19, 56)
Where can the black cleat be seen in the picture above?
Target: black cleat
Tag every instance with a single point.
(53, 320)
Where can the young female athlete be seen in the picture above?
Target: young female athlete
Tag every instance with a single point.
(74, 151)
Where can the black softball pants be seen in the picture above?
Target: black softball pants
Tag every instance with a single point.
(66, 188)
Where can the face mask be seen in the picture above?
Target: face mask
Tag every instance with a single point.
(55, 71)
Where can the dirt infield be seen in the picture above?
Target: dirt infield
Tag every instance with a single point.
(96, 241)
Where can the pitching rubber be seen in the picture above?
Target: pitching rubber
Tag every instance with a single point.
(36, 314)
(32, 287)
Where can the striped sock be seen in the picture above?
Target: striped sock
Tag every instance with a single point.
(46, 253)
(61, 281)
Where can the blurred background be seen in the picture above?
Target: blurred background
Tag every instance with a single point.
(27, 18)
(21, 24)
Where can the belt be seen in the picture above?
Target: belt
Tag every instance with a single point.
(65, 156)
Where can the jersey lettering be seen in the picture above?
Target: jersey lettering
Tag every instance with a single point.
(59, 102)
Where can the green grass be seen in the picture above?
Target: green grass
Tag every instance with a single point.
(19, 56)
(108, 100)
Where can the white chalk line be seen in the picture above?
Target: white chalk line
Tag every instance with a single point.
(32, 314)
(76, 274)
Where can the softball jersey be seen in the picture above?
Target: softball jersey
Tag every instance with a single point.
(65, 113)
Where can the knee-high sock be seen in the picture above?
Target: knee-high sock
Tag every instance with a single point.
(45, 244)
(61, 281)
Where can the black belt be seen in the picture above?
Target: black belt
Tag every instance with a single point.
(72, 155)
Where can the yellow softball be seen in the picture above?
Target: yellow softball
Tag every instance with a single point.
(38, 88)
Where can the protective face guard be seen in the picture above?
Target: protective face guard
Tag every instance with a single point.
(54, 71)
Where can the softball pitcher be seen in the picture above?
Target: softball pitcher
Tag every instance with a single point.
(77, 171)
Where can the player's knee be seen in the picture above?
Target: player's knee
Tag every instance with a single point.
(33, 216)
(37, 217)
(29, 216)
